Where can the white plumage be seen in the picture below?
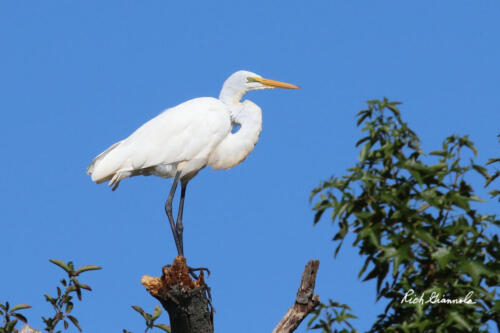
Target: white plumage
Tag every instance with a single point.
(183, 135)
(184, 139)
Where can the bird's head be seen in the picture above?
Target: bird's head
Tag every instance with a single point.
(251, 81)
(242, 82)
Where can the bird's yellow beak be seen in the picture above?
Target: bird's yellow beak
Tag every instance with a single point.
(273, 83)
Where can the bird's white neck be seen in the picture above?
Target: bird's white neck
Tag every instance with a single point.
(231, 95)
(243, 113)
(236, 146)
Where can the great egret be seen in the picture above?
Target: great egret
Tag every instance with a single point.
(182, 140)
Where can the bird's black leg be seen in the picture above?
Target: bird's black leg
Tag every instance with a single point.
(192, 270)
(179, 226)
(168, 210)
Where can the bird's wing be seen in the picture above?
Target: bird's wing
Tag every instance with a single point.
(185, 132)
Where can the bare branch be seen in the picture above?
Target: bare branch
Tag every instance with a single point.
(305, 302)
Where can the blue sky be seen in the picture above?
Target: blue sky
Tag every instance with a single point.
(76, 77)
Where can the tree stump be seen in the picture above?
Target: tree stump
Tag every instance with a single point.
(187, 301)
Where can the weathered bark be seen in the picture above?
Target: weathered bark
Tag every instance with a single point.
(186, 301)
(305, 302)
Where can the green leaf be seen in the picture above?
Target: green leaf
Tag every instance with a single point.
(156, 312)
(84, 286)
(391, 106)
(366, 138)
(79, 292)
(87, 268)
(461, 201)
(50, 299)
(61, 264)
(457, 318)
(389, 252)
(493, 160)
(476, 199)
(364, 152)
(20, 317)
(70, 289)
(140, 310)
(442, 255)
(439, 153)
(20, 307)
(364, 215)
(373, 274)
(438, 167)
(313, 318)
(69, 307)
(10, 325)
(481, 170)
(492, 178)
(163, 327)
(75, 322)
(475, 270)
(496, 306)
(363, 269)
(494, 193)
(417, 176)
(362, 118)
(426, 237)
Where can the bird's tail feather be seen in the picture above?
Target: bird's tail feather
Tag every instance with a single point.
(99, 157)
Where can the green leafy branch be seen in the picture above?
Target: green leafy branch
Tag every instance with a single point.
(325, 316)
(11, 316)
(62, 303)
(414, 217)
(491, 178)
(150, 319)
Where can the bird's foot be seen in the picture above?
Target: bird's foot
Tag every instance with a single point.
(201, 269)
(192, 271)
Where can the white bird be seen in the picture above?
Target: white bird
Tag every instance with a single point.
(184, 139)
